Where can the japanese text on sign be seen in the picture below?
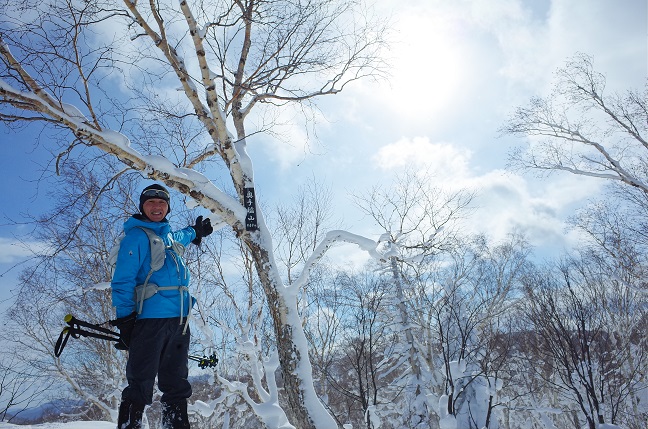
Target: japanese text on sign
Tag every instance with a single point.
(250, 206)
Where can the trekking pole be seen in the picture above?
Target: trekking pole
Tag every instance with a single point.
(75, 329)
(206, 361)
(73, 321)
(78, 328)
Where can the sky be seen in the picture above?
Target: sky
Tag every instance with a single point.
(458, 69)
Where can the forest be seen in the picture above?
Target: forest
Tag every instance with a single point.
(439, 329)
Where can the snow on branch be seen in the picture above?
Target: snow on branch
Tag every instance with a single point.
(26, 78)
(187, 181)
(268, 411)
(331, 238)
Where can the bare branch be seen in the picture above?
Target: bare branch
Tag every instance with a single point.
(583, 131)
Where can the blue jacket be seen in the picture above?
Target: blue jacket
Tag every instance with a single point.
(134, 264)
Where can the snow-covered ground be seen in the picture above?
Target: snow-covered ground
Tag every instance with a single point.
(111, 425)
(71, 425)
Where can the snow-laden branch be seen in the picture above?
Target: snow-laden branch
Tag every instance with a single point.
(185, 180)
(252, 352)
(27, 79)
(331, 238)
(81, 391)
(269, 411)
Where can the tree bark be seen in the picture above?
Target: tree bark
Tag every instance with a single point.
(304, 409)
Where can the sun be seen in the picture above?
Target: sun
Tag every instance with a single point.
(427, 64)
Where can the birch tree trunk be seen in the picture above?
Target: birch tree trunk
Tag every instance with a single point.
(227, 60)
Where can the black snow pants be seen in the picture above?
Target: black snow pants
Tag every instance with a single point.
(158, 348)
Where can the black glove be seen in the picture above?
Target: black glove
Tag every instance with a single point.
(203, 228)
(125, 325)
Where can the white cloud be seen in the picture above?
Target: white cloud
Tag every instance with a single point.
(612, 32)
(535, 42)
(506, 202)
(293, 136)
(286, 153)
(12, 251)
(443, 159)
(520, 35)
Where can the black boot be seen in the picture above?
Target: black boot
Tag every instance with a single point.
(130, 415)
(174, 415)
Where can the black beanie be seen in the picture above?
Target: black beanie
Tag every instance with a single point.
(154, 191)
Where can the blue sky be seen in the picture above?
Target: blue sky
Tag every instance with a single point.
(459, 67)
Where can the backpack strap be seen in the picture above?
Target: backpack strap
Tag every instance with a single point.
(157, 250)
(158, 255)
(147, 290)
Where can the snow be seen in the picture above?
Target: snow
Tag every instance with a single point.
(448, 422)
(457, 369)
(245, 161)
(372, 417)
(118, 139)
(73, 112)
(331, 238)
(268, 409)
(201, 184)
(71, 425)
(202, 408)
(99, 286)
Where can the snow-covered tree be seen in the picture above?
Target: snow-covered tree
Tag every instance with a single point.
(587, 330)
(61, 280)
(158, 85)
(417, 221)
(468, 329)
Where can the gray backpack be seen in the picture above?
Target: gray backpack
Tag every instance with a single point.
(158, 255)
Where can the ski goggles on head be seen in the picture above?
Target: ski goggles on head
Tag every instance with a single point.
(156, 193)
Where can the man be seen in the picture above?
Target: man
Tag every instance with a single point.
(154, 326)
